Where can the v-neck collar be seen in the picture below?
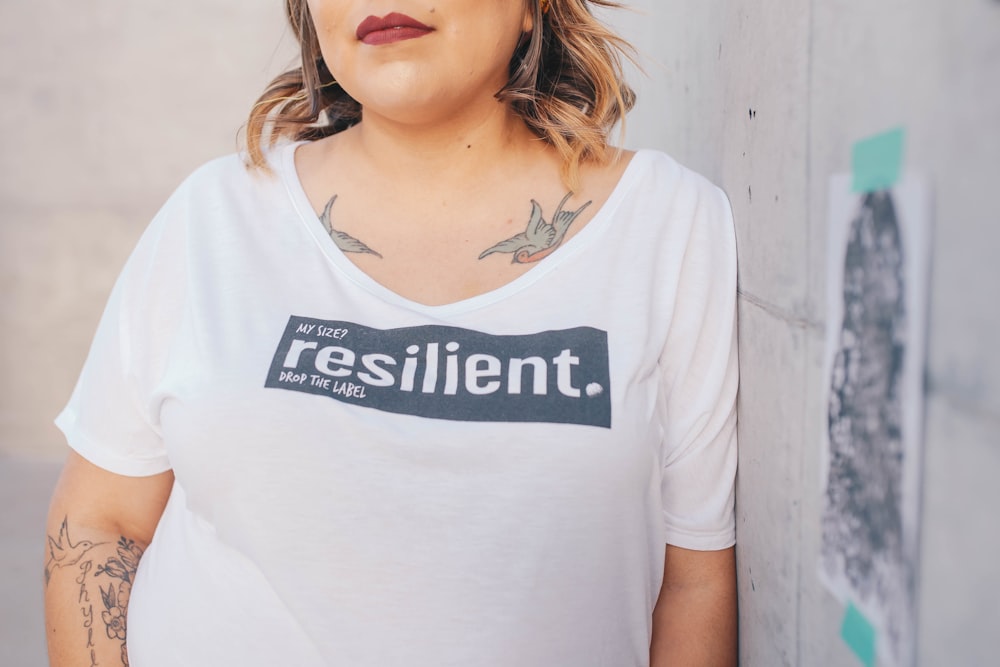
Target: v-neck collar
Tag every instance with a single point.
(285, 165)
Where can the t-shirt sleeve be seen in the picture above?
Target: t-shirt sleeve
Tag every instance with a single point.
(112, 415)
(699, 383)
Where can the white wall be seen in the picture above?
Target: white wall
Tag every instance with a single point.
(821, 75)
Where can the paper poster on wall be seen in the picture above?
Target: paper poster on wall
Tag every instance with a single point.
(877, 281)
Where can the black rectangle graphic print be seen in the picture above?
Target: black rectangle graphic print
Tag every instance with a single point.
(444, 372)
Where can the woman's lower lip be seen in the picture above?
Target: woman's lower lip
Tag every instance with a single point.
(391, 35)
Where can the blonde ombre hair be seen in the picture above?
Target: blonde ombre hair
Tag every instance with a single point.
(566, 82)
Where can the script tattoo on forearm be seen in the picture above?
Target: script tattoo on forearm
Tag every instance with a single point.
(87, 609)
(541, 238)
(119, 570)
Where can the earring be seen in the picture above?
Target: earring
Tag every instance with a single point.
(545, 6)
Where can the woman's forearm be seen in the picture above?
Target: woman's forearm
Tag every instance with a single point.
(694, 622)
(88, 583)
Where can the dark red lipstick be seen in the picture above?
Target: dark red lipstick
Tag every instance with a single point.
(390, 28)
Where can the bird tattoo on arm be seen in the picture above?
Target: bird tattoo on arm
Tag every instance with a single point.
(345, 242)
(63, 552)
(540, 238)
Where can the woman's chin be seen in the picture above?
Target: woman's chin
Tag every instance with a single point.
(425, 109)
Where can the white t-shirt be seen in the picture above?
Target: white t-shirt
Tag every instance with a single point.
(364, 480)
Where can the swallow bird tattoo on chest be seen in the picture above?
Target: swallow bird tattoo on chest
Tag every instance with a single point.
(537, 241)
(541, 237)
(345, 242)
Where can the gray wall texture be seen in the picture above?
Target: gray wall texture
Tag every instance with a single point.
(108, 105)
(819, 76)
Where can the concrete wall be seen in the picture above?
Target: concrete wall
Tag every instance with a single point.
(766, 97)
(106, 107)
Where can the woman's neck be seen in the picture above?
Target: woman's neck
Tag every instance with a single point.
(468, 146)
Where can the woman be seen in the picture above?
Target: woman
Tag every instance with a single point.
(446, 380)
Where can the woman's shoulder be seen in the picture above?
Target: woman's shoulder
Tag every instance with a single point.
(657, 181)
(224, 188)
(220, 197)
(219, 175)
(664, 167)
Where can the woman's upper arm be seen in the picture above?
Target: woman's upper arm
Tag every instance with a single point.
(90, 496)
(699, 384)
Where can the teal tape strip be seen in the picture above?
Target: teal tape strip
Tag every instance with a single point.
(878, 161)
(859, 634)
